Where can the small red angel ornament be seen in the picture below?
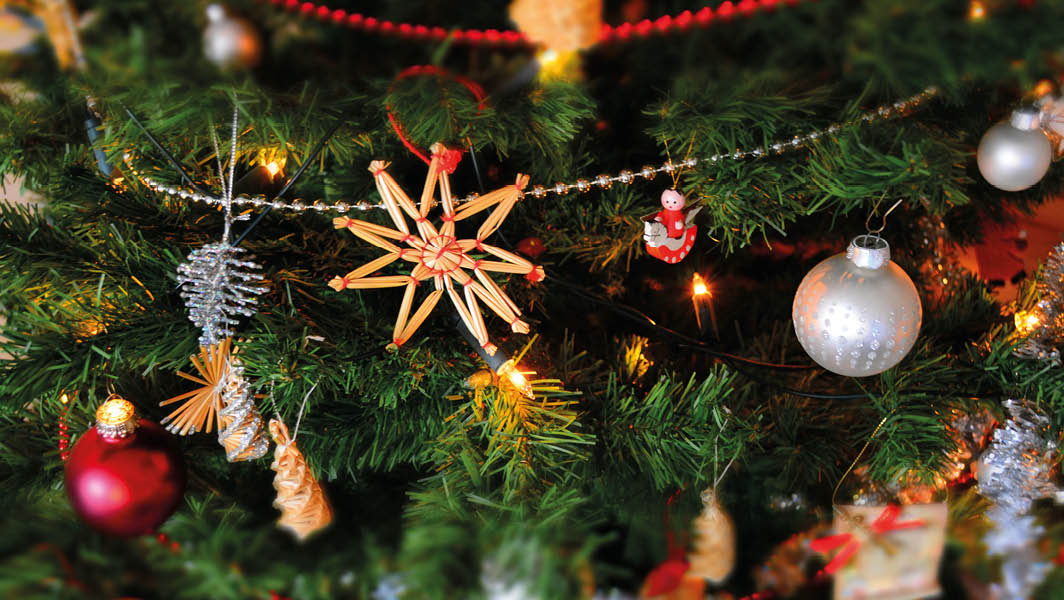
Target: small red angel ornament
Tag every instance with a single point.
(670, 233)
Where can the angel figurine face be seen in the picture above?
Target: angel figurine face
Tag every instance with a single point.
(672, 200)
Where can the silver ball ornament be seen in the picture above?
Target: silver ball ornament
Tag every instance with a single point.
(857, 313)
(1015, 155)
(230, 42)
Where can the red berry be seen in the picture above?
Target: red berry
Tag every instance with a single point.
(531, 247)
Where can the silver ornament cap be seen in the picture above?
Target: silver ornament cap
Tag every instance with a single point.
(1015, 155)
(857, 313)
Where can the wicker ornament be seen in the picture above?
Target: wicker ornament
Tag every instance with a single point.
(225, 397)
(438, 254)
(713, 555)
(560, 25)
(300, 498)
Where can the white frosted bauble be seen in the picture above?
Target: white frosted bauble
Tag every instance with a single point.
(1015, 155)
(857, 313)
(230, 42)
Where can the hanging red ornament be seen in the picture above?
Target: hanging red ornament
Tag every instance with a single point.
(531, 247)
(124, 476)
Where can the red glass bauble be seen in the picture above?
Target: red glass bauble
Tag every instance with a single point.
(125, 486)
(531, 247)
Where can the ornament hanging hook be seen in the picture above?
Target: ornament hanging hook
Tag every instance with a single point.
(716, 461)
(227, 186)
(883, 221)
(672, 173)
(875, 432)
(299, 418)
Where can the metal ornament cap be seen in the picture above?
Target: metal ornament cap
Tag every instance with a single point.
(868, 251)
(857, 313)
(1026, 118)
(116, 418)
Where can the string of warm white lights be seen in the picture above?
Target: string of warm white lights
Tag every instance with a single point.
(625, 177)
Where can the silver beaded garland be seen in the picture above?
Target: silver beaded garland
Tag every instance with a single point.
(1015, 155)
(857, 313)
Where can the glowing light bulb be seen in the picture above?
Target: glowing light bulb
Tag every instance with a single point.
(557, 65)
(516, 378)
(1044, 88)
(273, 168)
(698, 285)
(976, 11)
(1026, 321)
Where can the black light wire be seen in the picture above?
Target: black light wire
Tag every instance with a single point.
(733, 360)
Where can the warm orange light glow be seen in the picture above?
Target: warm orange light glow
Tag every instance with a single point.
(976, 11)
(1044, 88)
(64, 398)
(1026, 321)
(557, 65)
(699, 287)
(273, 160)
(516, 378)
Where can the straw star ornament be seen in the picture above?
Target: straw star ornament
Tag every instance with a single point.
(437, 253)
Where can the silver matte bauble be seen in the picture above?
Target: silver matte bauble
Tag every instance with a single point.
(857, 313)
(1015, 154)
(230, 42)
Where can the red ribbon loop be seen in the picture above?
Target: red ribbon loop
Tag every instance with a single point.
(449, 158)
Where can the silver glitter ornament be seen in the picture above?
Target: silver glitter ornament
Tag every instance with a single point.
(1015, 155)
(241, 432)
(1013, 473)
(230, 42)
(1042, 326)
(857, 313)
(218, 288)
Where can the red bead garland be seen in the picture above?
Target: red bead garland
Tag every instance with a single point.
(513, 39)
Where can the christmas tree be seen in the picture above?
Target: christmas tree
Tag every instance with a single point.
(527, 300)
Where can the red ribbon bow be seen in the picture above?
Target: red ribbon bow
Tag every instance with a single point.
(886, 521)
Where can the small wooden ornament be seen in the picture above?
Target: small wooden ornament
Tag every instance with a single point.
(300, 498)
(713, 556)
(671, 232)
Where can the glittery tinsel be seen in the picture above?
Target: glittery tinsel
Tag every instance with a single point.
(218, 288)
(241, 431)
(1013, 472)
(1047, 333)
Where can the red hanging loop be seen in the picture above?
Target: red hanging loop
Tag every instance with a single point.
(451, 157)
